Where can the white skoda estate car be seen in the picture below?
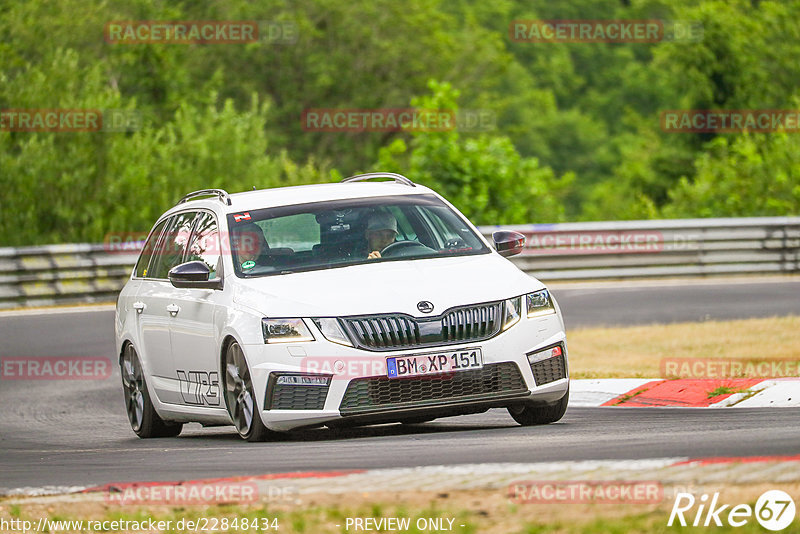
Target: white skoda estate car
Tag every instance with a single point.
(351, 303)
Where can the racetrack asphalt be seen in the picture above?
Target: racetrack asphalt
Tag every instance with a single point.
(673, 301)
(75, 433)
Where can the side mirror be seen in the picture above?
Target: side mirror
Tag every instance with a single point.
(508, 243)
(193, 274)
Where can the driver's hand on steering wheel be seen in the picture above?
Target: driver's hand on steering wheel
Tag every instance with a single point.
(374, 255)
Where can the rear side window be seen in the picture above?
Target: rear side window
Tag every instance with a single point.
(148, 250)
(205, 243)
(172, 246)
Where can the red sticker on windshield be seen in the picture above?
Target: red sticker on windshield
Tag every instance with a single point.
(242, 217)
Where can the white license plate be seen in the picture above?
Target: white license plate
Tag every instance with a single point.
(434, 363)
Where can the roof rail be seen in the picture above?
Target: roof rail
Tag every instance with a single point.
(220, 193)
(398, 178)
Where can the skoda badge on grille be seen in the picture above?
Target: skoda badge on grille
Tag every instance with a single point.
(425, 306)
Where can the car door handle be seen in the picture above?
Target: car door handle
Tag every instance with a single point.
(173, 309)
(139, 306)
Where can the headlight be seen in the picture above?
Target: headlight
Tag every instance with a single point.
(332, 330)
(513, 309)
(285, 330)
(540, 303)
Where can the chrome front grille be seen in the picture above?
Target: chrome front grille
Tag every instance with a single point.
(398, 331)
(386, 331)
(468, 324)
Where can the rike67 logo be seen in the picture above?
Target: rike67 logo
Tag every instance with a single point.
(774, 510)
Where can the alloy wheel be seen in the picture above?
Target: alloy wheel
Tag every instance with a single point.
(133, 383)
(238, 388)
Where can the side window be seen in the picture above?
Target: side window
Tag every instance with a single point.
(173, 244)
(205, 243)
(148, 250)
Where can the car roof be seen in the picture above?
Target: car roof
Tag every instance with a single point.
(301, 194)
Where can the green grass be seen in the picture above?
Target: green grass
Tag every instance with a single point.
(722, 390)
(628, 396)
(637, 351)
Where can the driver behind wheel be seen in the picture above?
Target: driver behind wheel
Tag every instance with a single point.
(381, 232)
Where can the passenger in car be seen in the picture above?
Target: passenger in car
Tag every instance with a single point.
(381, 232)
(250, 244)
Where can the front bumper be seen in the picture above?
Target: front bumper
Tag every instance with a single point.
(359, 392)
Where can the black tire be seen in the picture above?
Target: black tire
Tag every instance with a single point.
(142, 416)
(240, 400)
(529, 415)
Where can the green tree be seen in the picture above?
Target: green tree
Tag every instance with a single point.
(484, 176)
(79, 186)
(742, 176)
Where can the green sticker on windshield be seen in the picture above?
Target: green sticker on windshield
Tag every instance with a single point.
(248, 265)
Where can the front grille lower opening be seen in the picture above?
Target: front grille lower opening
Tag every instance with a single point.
(365, 394)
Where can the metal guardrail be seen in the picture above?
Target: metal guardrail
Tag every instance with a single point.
(659, 248)
(46, 275)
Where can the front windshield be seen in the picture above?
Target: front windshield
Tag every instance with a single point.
(338, 233)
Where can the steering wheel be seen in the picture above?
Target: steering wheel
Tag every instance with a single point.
(394, 249)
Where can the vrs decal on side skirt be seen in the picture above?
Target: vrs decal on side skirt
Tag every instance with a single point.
(199, 388)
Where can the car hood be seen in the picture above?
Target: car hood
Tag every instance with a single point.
(386, 287)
